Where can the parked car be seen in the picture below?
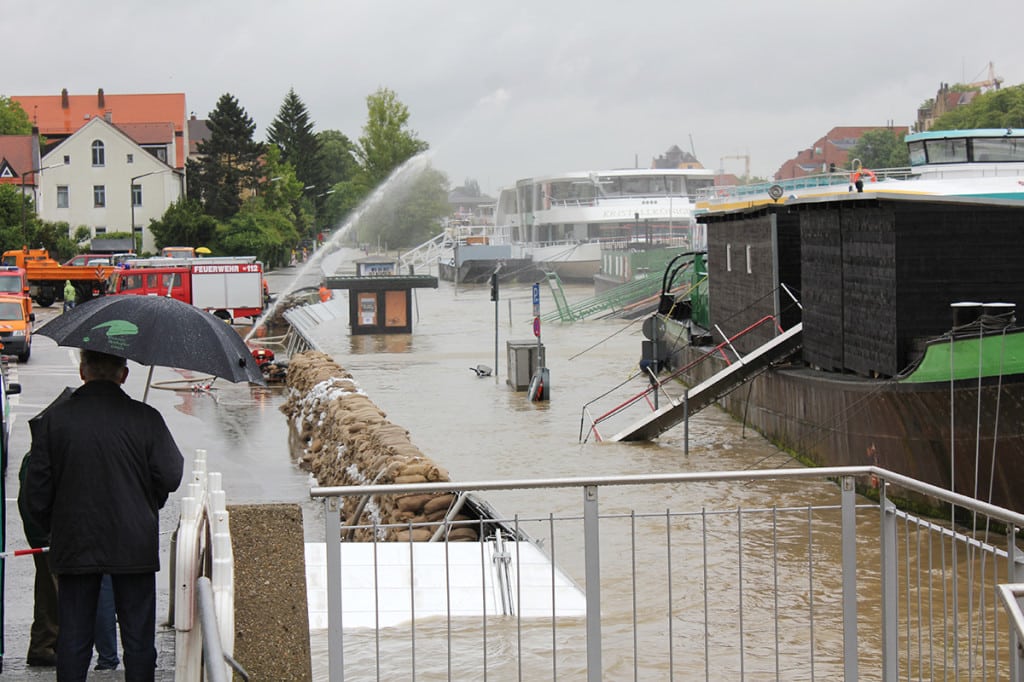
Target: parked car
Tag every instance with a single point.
(90, 259)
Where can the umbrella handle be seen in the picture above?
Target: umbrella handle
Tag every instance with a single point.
(149, 380)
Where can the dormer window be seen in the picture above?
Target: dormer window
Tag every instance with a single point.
(98, 155)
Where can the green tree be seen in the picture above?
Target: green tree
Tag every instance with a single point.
(995, 109)
(284, 192)
(184, 224)
(228, 165)
(292, 132)
(13, 119)
(341, 169)
(386, 143)
(410, 214)
(258, 231)
(881, 148)
(18, 220)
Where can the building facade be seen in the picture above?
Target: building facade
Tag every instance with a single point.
(99, 177)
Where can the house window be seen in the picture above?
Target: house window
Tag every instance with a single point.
(136, 195)
(101, 230)
(99, 196)
(131, 158)
(98, 155)
(62, 196)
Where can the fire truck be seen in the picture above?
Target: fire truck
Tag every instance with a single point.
(227, 287)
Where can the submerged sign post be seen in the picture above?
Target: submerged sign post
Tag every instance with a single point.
(539, 384)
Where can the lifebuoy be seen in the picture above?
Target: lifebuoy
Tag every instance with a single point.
(854, 177)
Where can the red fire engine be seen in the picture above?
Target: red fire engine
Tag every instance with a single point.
(227, 287)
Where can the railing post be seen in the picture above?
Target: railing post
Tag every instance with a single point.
(686, 422)
(849, 543)
(335, 638)
(592, 563)
(890, 599)
(1014, 575)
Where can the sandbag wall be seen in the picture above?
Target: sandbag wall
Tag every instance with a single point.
(347, 440)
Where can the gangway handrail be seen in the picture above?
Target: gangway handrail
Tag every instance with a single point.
(719, 349)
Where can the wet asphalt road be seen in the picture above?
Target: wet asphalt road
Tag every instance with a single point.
(240, 426)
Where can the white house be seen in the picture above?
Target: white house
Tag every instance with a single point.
(101, 178)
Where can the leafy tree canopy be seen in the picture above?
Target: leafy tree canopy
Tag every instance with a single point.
(386, 143)
(184, 224)
(409, 213)
(284, 192)
(13, 119)
(341, 175)
(16, 212)
(995, 109)
(258, 231)
(881, 148)
(229, 162)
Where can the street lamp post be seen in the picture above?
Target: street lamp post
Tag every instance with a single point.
(24, 229)
(131, 199)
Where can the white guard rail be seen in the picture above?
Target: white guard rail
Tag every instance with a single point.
(202, 548)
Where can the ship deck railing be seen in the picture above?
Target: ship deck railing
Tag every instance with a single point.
(804, 579)
(669, 388)
(732, 193)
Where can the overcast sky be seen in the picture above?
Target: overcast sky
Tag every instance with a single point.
(507, 90)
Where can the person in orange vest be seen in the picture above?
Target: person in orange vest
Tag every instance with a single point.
(325, 293)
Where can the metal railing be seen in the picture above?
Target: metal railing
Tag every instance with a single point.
(659, 387)
(836, 587)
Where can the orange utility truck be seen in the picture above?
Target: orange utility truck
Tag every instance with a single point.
(46, 277)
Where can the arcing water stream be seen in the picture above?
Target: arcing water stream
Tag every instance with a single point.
(391, 189)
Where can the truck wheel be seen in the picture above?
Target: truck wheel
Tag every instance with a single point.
(23, 357)
(44, 300)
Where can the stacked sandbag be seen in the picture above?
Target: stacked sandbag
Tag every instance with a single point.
(347, 440)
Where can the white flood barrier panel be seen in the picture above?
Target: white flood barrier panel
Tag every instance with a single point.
(384, 584)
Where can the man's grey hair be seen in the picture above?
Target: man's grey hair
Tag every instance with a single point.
(101, 366)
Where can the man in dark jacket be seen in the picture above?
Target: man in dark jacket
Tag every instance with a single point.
(42, 641)
(102, 466)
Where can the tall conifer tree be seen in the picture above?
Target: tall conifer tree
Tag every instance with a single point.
(228, 165)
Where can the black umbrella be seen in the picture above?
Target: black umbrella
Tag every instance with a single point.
(156, 330)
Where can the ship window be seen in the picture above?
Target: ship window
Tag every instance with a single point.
(918, 157)
(998, 149)
(947, 151)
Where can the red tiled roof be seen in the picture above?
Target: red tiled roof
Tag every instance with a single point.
(148, 133)
(16, 150)
(53, 119)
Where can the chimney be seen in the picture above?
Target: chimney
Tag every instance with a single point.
(64, 99)
(108, 116)
(99, 99)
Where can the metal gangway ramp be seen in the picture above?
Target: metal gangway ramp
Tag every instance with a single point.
(714, 387)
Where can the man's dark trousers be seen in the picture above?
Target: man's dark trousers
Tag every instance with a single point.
(135, 598)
